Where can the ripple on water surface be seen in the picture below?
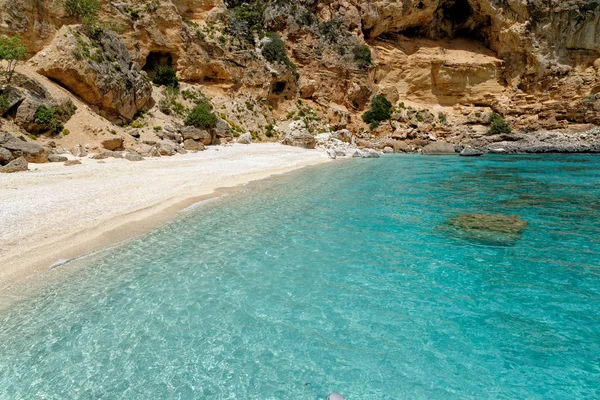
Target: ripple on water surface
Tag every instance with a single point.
(336, 278)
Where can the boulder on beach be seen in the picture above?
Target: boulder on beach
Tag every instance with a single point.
(18, 165)
(246, 138)
(53, 158)
(197, 134)
(5, 156)
(193, 145)
(18, 148)
(113, 143)
(490, 228)
(69, 163)
(439, 148)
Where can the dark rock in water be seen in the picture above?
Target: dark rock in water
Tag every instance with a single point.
(439, 148)
(471, 152)
(489, 228)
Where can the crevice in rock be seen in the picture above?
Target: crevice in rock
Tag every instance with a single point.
(156, 59)
(454, 19)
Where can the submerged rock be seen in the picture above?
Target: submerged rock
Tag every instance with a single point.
(490, 228)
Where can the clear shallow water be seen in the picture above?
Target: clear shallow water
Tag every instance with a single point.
(335, 278)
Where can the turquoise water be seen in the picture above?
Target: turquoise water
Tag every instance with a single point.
(337, 278)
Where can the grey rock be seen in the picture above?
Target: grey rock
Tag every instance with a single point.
(332, 154)
(134, 132)
(366, 153)
(18, 165)
(79, 151)
(343, 134)
(246, 138)
(471, 152)
(18, 148)
(300, 139)
(191, 132)
(113, 143)
(5, 156)
(102, 155)
(388, 150)
(148, 150)
(166, 148)
(113, 82)
(134, 157)
(57, 158)
(192, 145)
(222, 129)
(72, 162)
(439, 148)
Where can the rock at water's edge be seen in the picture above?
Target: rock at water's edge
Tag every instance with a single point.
(471, 152)
(439, 148)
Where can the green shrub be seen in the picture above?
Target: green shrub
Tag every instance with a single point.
(4, 102)
(49, 118)
(381, 110)
(66, 132)
(362, 56)
(273, 50)
(270, 130)
(331, 31)
(86, 12)
(498, 125)
(12, 51)
(158, 128)
(201, 116)
(170, 104)
(81, 9)
(165, 75)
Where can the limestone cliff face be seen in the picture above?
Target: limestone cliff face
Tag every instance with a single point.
(534, 61)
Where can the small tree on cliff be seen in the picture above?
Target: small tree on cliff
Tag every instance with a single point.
(12, 52)
(381, 110)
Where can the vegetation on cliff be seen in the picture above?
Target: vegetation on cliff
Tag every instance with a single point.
(12, 52)
(381, 110)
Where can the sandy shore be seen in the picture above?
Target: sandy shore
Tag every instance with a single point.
(55, 212)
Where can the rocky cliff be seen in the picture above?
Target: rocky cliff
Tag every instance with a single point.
(446, 66)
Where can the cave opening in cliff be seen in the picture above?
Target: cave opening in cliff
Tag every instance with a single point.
(279, 87)
(458, 12)
(454, 19)
(157, 59)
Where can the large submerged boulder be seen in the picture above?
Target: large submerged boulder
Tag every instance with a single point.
(499, 229)
(99, 69)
